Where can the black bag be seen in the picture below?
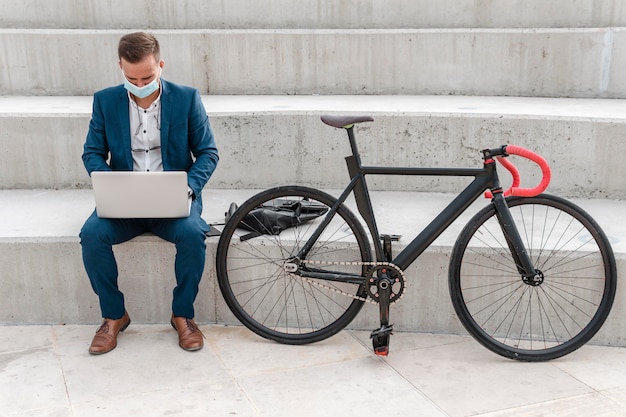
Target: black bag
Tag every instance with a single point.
(277, 215)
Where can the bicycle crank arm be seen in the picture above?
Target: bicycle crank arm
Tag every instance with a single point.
(380, 337)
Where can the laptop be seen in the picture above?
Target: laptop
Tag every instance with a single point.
(130, 194)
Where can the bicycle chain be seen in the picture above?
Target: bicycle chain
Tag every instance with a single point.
(355, 263)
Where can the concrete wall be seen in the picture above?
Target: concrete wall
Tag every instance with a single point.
(55, 54)
(289, 14)
(490, 62)
(294, 146)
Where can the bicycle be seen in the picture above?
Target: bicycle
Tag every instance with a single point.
(531, 276)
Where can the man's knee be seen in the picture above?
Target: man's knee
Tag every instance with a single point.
(191, 229)
(191, 232)
(88, 232)
(95, 230)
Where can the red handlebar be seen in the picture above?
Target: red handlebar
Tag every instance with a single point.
(515, 190)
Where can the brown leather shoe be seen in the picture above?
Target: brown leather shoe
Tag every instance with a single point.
(189, 335)
(105, 339)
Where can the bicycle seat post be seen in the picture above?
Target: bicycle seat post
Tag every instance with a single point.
(353, 146)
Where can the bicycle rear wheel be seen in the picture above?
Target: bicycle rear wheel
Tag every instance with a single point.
(541, 320)
(284, 306)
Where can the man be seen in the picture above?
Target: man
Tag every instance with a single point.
(148, 124)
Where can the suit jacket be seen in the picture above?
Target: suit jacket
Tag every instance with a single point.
(187, 142)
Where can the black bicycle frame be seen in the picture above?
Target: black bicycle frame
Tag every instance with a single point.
(484, 178)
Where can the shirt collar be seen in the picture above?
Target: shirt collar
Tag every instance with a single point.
(154, 104)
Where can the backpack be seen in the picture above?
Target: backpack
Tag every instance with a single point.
(276, 215)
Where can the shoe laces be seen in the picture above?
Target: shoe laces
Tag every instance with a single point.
(193, 326)
(104, 327)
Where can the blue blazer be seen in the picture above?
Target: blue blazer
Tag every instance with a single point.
(187, 142)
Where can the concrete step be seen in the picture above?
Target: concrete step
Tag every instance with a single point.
(562, 62)
(285, 14)
(282, 137)
(44, 281)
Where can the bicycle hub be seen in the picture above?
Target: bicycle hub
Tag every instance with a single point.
(291, 265)
(535, 280)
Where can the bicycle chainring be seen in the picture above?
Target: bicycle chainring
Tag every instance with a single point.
(393, 273)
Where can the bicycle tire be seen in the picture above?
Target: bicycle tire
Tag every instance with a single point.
(282, 306)
(533, 321)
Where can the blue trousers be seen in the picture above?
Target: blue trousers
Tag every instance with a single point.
(98, 236)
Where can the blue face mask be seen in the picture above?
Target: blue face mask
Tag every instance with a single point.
(141, 92)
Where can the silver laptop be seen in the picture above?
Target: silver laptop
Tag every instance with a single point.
(129, 194)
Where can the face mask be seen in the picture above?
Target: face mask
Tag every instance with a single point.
(141, 92)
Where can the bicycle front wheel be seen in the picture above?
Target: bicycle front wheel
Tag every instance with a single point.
(276, 303)
(533, 320)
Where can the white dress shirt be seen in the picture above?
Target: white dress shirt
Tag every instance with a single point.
(145, 132)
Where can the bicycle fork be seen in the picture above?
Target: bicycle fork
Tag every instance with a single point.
(520, 254)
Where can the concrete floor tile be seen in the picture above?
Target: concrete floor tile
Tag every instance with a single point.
(465, 379)
(600, 367)
(74, 339)
(595, 405)
(362, 387)
(618, 396)
(244, 353)
(146, 359)
(45, 412)
(222, 398)
(17, 338)
(29, 380)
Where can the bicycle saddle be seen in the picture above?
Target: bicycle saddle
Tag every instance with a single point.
(345, 121)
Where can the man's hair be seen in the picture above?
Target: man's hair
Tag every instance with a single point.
(134, 47)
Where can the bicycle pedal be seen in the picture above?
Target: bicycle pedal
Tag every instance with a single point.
(380, 340)
(381, 345)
